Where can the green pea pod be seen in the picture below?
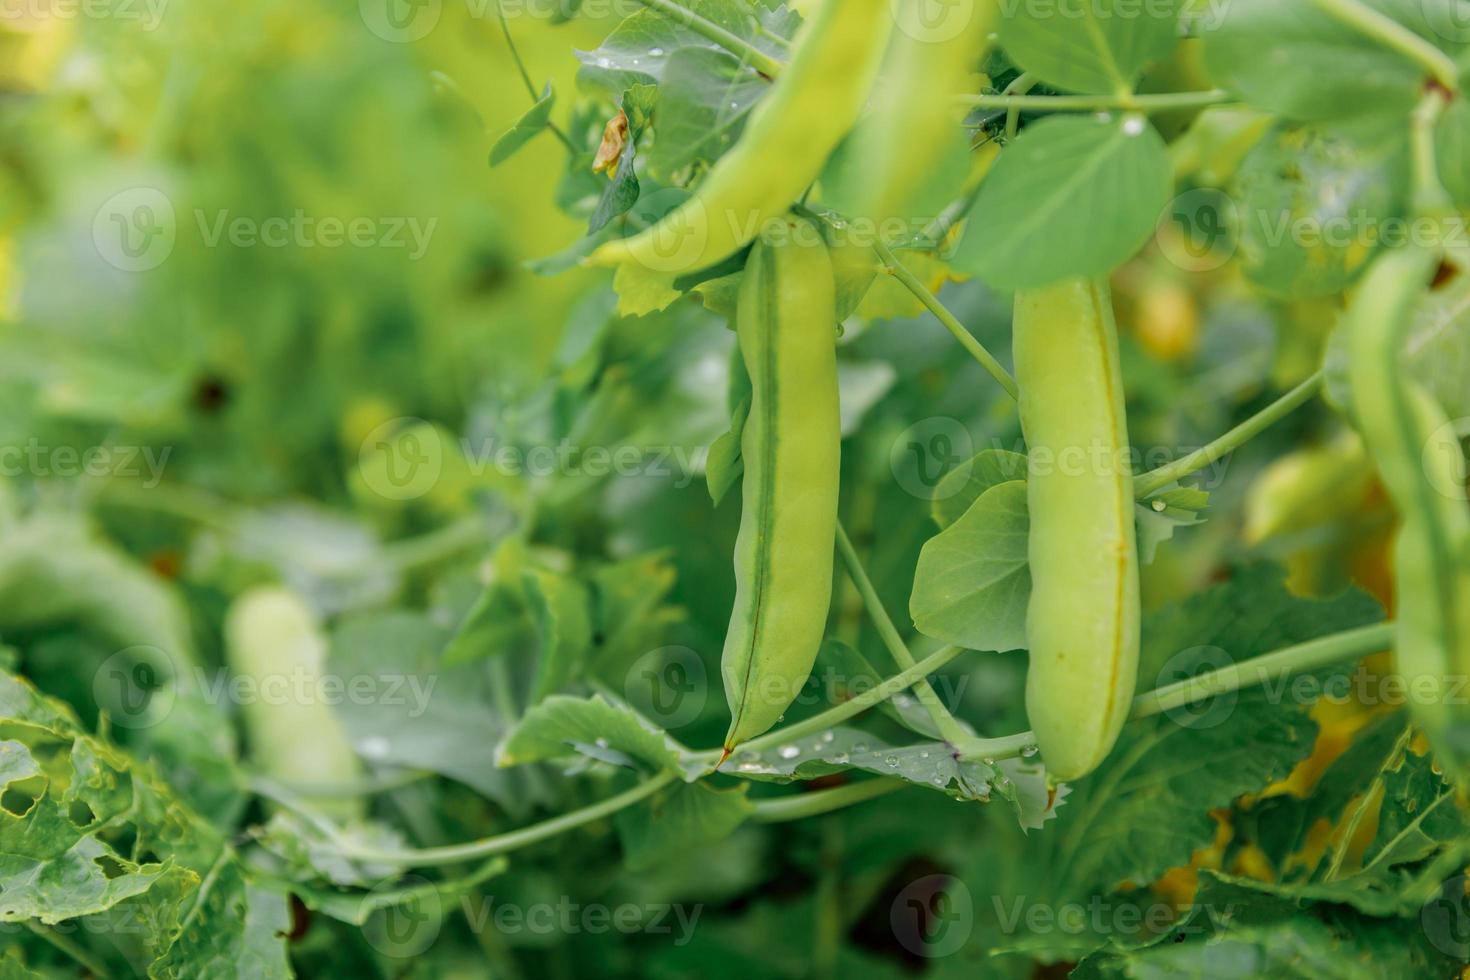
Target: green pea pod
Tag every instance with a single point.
(272, 641)
(1424, 471)
(786, 323)
(1082, 626)
(785, 145)
(930, 61)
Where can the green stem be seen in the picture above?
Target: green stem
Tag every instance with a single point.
(1147, 484)
(1395, 36)
(967, 340)
(515, 55)
(801, 805)
(737, 46)
(1019, 86)
(71, 948)
(1161, 102)
(502, 843)
(949, 728)
(832, 717)
(1312, 655)
(1431, 199)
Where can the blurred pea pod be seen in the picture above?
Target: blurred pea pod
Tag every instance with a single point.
(936, 48)
(813, 105)
(1423, 467)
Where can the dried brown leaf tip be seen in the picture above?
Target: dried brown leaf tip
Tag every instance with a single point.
(614, 140)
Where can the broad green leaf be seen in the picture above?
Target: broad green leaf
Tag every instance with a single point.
(1452, 150)
(355, 908)
(962, 486)
(704, 100)
(623, 189)
(233, 928)
(1313, 204)
(641, 49)
(421, 715)
(526, 128)
(973, 581)
(496, 625)
(1301, 62)
(1092, 46)
(1072, 196)
(561, 607)
(931, 765)
(680, 819)
(562, 726)
(631, 608)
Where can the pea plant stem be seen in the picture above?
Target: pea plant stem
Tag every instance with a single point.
(1395, 36)
(706, 28)
(1430, 197)
(977, 350)
(1147, 484)
(951, 730)
(515, 56)
(511, 841)
(870, 698)
(1161, 102)
(802, 805)
(1312, 655)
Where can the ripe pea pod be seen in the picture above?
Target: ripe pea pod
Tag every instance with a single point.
(785, 145)
(1082, 625)
(1424, 472)
(930, 62)
(272, 639)
(786, 323)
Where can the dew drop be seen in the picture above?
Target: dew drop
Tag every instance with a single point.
(828, 738)
(1159, 506)
(656, 52)
(788, 752)
(1134, 126)
(840, 759)
(375, 747)
(891, 761)
(1029, 751)
(860, 747)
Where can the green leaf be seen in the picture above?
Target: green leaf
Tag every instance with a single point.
(1092, 46)
(1313, 203)
(852, 674)
(973, 581)
(1452, 151)
(931, 765)
(1162, 514)
(561, 726)
(704, 100)
(1072, 196)
(623, 189)
(725, 463)
(561, 607)
(422, 715)
(526, 128)
(680, 819)
(962, 486)
(1303, 63)
(233, 928)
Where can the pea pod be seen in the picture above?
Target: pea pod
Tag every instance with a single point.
(1082, 625)
(813, 105)
(1403, 426)
(930, 61)
(786, 324)
(272, 639)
